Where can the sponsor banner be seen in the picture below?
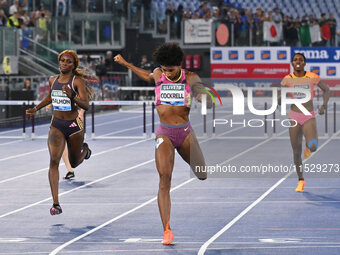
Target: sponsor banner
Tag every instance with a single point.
(250, 55)
(324, 70)
(249, 70)
(318, 54)
(219, 86)
(334, 85)
(197, 31)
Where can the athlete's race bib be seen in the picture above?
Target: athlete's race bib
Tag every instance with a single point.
(299, 95)
(172, 94)
(60, 101)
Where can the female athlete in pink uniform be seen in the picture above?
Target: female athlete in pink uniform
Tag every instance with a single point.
(306, 124)
(174, 89)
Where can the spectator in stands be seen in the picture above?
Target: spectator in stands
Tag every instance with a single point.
(332, 24)
(203, 9)
(236, 20)
(26, 19)
(146, 65)
(14, 7)
(277, 17)
(170, 11)
(3, 18)
(196, 15)
(305, 38)
(314, 29)
(3, 4)
(216, 14)
(109, 62)
(244, 27)
(179, 15)
(24, 5)
(269, 17)
(292, 36)
(325, 29)
(187, 14)
(27, 85)
(84, 61)
(297, 23)
(207, 15)
(13, 21)
(258, 19)
(42, 24)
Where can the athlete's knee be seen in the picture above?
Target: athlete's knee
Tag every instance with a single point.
(313, 145)
(164, 181)
(54, 161)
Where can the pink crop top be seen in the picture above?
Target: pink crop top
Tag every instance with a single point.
(306, 82)
(173, 92)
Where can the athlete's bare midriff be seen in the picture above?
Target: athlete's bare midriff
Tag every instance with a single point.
(173, 115)
(69, 115)
(309, 106)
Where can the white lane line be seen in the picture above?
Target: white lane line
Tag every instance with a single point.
(28, 153)
(251, 148)
(22, 154)
(93, 155)
(58, 249)
(77, 188)
(204, 247)
(6, 143)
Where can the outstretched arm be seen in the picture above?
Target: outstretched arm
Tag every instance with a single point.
(141, 73)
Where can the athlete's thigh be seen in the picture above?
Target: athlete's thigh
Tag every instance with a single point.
(295, 134)
(75, 143)
(191, 151)
(309, 130)
(164, 154)
(56, 143)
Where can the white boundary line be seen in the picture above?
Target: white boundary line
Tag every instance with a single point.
(204, 247)
(22, 154)
(58, 249)
(93, 155)
(6, 143)
(82, 186)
